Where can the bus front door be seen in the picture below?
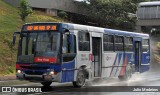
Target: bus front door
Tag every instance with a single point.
(137, 56)
(96, 49)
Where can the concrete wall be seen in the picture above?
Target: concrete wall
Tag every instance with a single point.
(65, 5)
(52, 12)
(148, 15)
(13, 2)
(149, 22)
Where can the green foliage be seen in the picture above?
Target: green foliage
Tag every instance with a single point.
(11, 22)
(62, 14)
(119, 14)
(25, 10)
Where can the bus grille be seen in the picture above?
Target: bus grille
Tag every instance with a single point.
(34, 67)
(33, 72)
(34, 79)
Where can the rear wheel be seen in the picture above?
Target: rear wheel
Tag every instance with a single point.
(128, 73)
(80, 81)
(47, 84)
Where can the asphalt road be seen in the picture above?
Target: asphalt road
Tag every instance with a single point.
(149, 78)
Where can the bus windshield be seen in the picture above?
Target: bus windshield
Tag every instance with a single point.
(40, 44)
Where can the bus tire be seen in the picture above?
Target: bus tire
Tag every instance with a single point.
(127, 75)
(46, 84)
(80, 80)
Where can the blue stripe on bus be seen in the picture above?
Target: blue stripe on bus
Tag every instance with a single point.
(120, 58)
(124, 33)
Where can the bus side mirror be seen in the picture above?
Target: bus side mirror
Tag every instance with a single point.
(69, 40)
(14, 37)
(65, 31)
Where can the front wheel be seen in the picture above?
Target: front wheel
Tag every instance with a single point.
(46, 84)
(80, 81)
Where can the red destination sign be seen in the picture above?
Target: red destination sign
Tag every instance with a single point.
(45, 59)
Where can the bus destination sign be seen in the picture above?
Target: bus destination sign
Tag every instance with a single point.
(39, 27)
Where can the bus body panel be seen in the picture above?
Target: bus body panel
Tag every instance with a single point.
(112, 63)
(68, 69)
(144, 56)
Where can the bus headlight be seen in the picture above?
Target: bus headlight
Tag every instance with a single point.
(51, 73)
(19, 71)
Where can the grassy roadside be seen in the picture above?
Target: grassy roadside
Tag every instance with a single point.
(157, 58)
(9, 23)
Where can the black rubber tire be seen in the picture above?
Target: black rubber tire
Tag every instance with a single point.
(127, 75)
(80, 81)
(46, 84)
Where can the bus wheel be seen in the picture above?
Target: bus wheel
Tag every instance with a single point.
(46, 83)
(80, 81)
(128, 73)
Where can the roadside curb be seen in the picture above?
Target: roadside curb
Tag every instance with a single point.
(7, 77)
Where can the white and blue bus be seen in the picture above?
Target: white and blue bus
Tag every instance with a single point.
(65, 52)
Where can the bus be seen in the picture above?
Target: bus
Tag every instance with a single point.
(66, 52)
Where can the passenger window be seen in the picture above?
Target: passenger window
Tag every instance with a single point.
(108, 43)
(128, 44)
(69, 47)
(145, 45)
(118, 43)
(84, 41)
(24, 41)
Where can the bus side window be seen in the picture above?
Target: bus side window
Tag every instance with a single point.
(24, 40)
(84, 41)
(108, 42)
(128, 44)
(69, 47)
(118, 41)
(145, 45)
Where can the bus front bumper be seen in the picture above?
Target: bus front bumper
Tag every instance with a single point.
(36, 78)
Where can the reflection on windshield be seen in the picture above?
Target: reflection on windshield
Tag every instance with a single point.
(47, 44)
(44, 44)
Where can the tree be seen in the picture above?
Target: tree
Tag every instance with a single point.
(24, 10)
(117, 14)
(62, 14)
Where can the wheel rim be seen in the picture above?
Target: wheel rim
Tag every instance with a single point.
(80, 79)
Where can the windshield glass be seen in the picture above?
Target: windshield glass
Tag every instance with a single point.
(42, 44)
(47, 44)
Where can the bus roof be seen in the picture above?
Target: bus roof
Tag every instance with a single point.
(72, 26)
(104, 30)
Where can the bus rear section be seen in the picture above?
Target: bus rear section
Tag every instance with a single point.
(142, 54)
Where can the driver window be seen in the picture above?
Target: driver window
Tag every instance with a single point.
(69, 47)
(65, 44)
